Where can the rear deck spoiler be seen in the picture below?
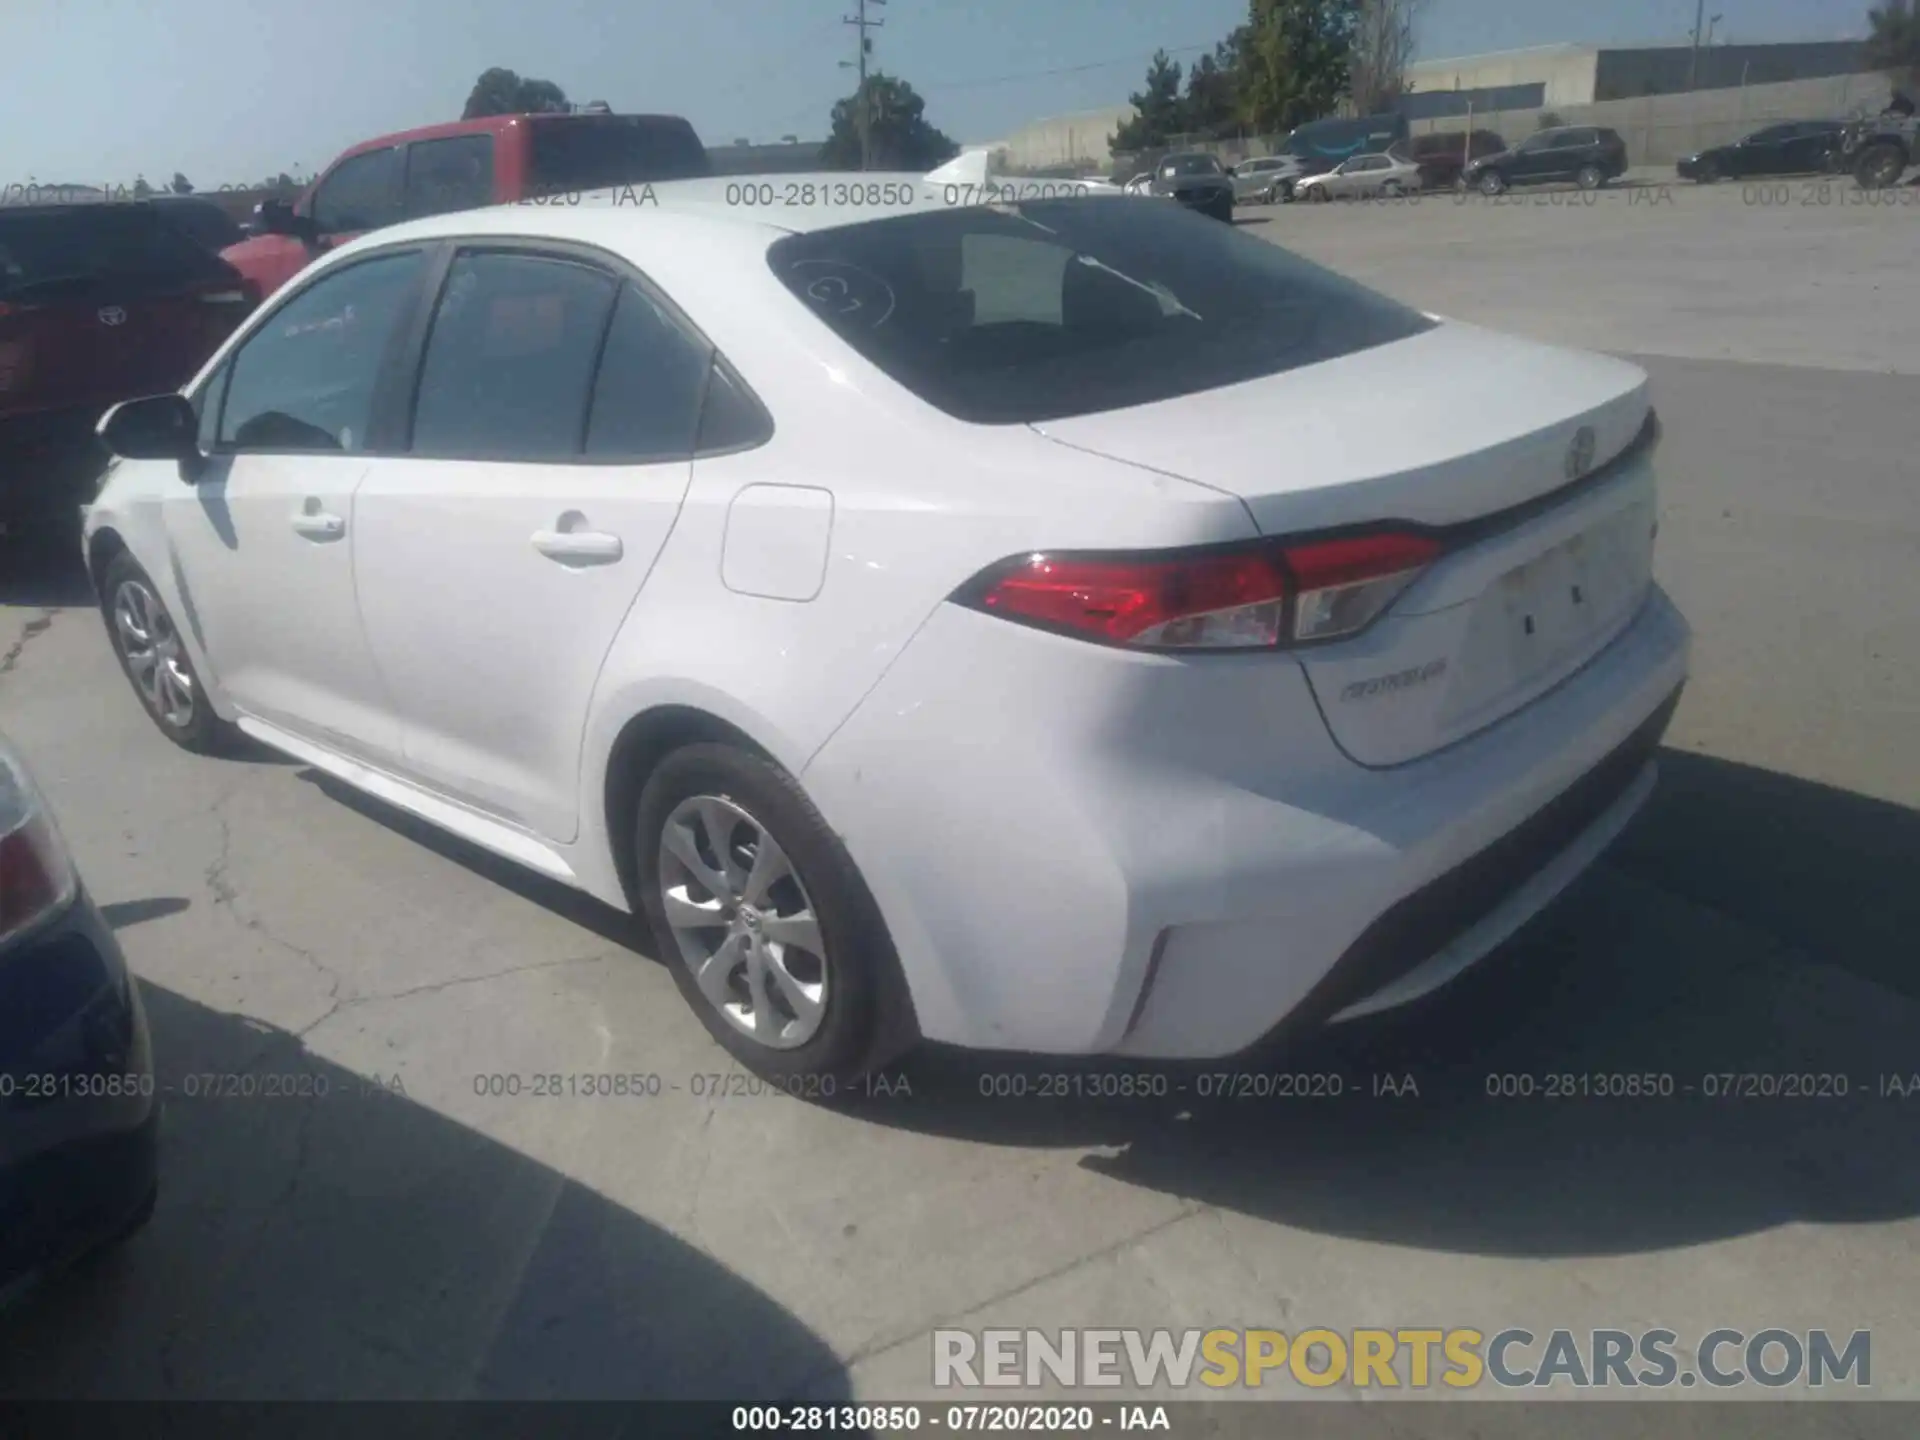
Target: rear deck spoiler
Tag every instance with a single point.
(977, 173)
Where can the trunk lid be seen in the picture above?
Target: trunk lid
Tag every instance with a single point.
(1526, 459)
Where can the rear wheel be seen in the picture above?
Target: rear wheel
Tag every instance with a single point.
(1318, 195)
(1879, 166)
(1707, 174)
(156, 662)
(1589, 177)
(761, 915)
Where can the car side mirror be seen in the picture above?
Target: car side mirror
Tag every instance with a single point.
(154, 427)
(278, 217)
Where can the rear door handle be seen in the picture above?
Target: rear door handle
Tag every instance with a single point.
(318, 525)
(578, 547)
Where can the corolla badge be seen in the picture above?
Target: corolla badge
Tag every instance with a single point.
(1580, 452)
(1398, 680)
(113, 315)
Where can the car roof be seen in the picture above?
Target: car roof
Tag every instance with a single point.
(486, 125)
(767, 206)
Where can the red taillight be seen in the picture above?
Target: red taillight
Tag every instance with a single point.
(36, 878)
(1244, 597)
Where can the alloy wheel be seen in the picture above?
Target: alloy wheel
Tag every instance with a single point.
(743, 922)
(151, 647)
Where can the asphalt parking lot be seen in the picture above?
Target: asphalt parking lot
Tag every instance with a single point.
(408, 1235)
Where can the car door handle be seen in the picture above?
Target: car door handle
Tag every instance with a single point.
(581, 547)
(318, 525)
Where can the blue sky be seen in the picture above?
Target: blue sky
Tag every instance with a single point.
(99, 90)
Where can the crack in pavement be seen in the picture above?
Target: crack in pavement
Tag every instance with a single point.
(881, 1344)
(37, 626)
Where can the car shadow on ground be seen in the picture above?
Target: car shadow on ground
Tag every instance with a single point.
(1750, 925)
(362, 1246)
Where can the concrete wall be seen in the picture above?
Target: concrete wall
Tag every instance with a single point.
(1064, 139)
(1631, 74)
(1568, 71)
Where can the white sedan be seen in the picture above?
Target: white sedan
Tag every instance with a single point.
(1363, 177)
(902, 606)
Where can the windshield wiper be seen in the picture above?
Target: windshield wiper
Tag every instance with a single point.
(1159, 292)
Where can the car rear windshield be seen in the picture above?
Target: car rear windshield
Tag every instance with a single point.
(578, 152)
(83, 250)
(1012, 315)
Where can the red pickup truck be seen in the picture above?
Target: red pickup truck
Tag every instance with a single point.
(461, 166)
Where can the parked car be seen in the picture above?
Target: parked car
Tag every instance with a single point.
(1588, 155)
(1798, 147)
(79, 1118)
(769, 583)
(99, 301)
(1443, 154)
(1265, 179)
(1322, 144)
(210, 227)
(1363, 177)
(441, 168)
(1197, 181)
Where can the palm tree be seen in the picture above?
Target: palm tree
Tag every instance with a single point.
(1893, 39)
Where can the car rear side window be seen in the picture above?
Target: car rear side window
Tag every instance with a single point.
(646, 397)
(446, 175)
(101, 251)
(306, 378)
(510, 358)
(1008, 315)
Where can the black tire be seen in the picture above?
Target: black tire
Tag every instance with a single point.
(865, 1022)
(201, 731)
(1589, 177)
(1879, 166)
(1492, 182)
(1318, 195)
(1706, 175)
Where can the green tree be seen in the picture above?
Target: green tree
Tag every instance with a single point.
(501, 92)
(1159, 110)
(898, 135)
(1893, 40)
(1212, 103)
(180, 184)
(1296, 58)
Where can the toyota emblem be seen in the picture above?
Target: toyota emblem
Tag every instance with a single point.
(1580, 453)
(113, 315)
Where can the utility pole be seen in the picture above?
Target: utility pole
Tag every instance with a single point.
(863, 116)
(1693, 61)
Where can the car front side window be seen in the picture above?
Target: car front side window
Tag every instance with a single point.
(306, 378)
(362, 193)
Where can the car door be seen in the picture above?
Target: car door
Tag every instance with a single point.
(1806, 149)
(360, 193)
(557, 398)
(1763, 152)
(263, 540)
(1534, 159)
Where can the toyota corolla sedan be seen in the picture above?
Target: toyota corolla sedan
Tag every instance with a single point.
(909, 615)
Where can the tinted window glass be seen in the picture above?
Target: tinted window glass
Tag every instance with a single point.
(646, 398)
(444, 175)
(730, 418)
(305, 379)
(510, 358)
(1067, 307)
(84, 251)
(203, 222)
(576, 152)
(1189, 165)
(361, 194)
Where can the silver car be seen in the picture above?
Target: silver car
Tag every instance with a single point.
(1265, 179)
(1362, 176)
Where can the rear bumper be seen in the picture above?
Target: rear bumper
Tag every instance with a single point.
(1079, 851)
(79, 1119)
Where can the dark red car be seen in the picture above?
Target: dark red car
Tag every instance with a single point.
(99, 303)
(460, 166)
